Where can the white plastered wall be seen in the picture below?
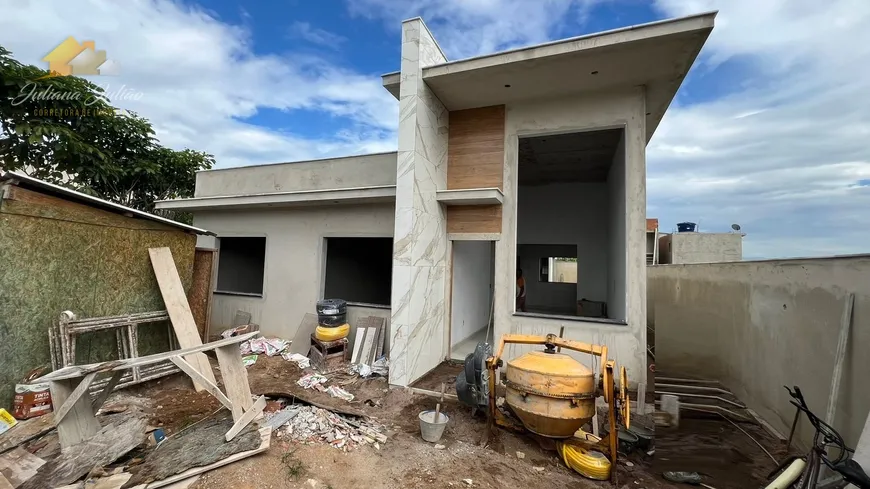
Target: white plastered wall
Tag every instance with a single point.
(618, 108)
(294, 267)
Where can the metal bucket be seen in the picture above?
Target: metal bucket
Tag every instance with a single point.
(430, 428)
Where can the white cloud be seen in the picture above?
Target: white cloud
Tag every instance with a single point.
(782, 153)
(314, 35)
(199, 78)
(467, 28)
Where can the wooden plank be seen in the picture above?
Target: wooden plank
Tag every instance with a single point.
(74, 397)
(24, 431)
(115, 481)
(845, 326)
(18, 466)
(475, 148)
(80, 423)
(74, 371)
(5, 484)
(302, 339)
(366, 353)
(197, 377)
(382, 333)
(199, 295)
(474, 219)
(179, 309)
(235, 378)
(107, 390)
(265, 437)
(358, 340)
(255, 411)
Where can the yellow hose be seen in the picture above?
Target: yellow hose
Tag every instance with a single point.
(590, 464)
(332, 334)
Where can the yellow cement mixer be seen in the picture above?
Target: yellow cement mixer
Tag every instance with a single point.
(552, 395)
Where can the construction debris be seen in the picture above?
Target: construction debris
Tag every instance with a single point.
(301, 360)
(311, 425)
(312, 381)
(269, 346)
(249, 360)
(340, 393)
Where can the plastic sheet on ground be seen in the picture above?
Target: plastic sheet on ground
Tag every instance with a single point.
(249, 360)
(301, 360)
(380, 367)
(311, 381)
(269, 346)
(340, 393)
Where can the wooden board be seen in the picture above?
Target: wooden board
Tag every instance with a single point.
(199, 295)
(18, 466)
(24, 431)
(179, 310)
(475, 148)
(368, 345)
(111, 482)
(4, 483)
(302, 338)
(81, 390)
(74, 371)
(235, 378)
(254, 412)
(265, 437)
(382, 337)
(80, 424)
(474, 219)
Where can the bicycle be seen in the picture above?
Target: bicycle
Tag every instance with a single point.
(803, 472)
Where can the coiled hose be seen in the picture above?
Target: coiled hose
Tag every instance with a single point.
(588, 463)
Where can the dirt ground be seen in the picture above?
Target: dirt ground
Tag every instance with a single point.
(722, 454)
(509, 460)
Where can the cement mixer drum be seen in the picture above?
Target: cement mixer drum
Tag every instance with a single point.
(552, 393)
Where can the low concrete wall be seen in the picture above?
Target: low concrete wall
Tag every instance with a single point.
(334, 173)
(757, 326)
(686, 248)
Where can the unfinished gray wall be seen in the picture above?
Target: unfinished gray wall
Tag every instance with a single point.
(335, 173)
(758, 326)
(568, 214)
(295, 258)
(616, 231)
(472, 288)
(546, 297)
(705, 247)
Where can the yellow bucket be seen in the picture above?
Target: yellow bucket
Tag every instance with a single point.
(332, 334)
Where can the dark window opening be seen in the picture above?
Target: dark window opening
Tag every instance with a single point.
(359, 270)
(241, 266)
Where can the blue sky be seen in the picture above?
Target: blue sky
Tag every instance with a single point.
(770, 130)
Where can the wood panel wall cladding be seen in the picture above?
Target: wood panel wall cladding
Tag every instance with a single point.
(475, 159)
(475, 148)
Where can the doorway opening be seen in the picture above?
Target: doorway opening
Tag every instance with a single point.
(471, 303)
(571, 236)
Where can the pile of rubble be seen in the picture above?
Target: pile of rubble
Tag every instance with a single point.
(310, 425)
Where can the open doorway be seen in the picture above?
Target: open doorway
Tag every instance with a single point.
(571, 225)
(471, 306)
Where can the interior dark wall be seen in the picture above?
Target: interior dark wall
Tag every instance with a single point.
(241, 265)
(359, 269)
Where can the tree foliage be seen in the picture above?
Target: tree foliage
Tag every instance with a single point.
(64, 130)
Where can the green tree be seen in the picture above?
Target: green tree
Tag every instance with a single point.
(64, 130)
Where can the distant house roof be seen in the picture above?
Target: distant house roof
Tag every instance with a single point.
(63, 192)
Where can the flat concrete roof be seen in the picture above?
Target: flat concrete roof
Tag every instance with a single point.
(657, 55)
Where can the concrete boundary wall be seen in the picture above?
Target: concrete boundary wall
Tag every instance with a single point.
(757, 326)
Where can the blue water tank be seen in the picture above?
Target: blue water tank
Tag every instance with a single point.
(686, 227)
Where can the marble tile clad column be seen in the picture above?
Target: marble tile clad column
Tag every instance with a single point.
(417, 342)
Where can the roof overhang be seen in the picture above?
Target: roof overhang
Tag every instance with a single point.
(656, 55)
(360, 195)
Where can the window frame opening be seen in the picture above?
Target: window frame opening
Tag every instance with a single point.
(230, 251)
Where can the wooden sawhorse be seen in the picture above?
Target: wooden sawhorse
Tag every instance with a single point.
(75, 413)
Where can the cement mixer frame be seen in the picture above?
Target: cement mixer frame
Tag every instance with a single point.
(606, 388)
